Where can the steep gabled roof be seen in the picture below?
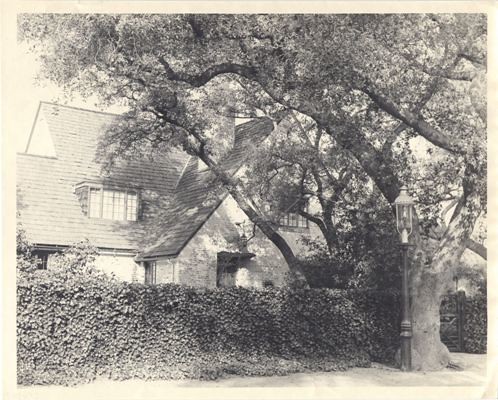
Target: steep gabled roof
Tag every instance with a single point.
(50, 210)
(174, 189)
(198, 195)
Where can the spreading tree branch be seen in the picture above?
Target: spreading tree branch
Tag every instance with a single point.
(208, 74)
(477, 248)
(417, 123)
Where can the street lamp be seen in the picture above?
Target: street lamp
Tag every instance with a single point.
(404, 225)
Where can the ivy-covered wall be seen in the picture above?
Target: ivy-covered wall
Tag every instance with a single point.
(72, 333)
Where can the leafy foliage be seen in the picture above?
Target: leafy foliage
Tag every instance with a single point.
(26, 263)
(473, 277)
(176, 73)
(70, 333)
(75, 264)
(366, 252)
(475, 326)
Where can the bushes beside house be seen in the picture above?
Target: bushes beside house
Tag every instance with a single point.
(75, 331)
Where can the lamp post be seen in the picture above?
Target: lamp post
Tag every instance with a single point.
(404, 226)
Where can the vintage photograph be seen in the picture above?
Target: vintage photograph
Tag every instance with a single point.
(251, 200)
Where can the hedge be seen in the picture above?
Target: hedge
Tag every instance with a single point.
(475, 325)
(77, 333)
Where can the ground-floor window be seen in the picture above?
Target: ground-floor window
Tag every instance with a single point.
(43, 258)
(226, 269)
(232, 268)
(150, 272)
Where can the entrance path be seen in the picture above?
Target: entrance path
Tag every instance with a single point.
(473, 374)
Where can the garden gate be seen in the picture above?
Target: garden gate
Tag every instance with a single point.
(452, 321)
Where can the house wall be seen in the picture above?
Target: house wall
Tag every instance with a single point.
(294, 237)
(123, 267)
(166, 271)
(196, 265)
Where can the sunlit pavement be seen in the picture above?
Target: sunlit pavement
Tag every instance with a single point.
(473, 374)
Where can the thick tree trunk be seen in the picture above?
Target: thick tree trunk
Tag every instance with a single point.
(330, 235)
(428, 352)
(430, 280)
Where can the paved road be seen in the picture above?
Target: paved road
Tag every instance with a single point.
(361, 380)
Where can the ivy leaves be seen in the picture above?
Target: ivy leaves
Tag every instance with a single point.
(75, 331)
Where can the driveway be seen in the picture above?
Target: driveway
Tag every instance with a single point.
(355, 381)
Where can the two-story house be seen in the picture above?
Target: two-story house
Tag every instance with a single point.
(154, 220)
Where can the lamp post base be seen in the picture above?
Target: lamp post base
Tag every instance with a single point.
(406, 346)
(406, 325)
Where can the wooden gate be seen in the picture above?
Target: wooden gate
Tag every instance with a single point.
(452, 321)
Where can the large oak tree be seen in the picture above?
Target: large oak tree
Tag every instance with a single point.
(372, 83)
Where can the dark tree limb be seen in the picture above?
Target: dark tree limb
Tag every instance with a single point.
(208, 74)
(477, 248)
(417, 123)
(479, 61)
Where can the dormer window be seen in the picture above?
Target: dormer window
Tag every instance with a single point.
(99, 201)
(293, 220)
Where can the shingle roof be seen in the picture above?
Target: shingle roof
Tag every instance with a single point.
(174, 190)
(197, 195)
(50, 211)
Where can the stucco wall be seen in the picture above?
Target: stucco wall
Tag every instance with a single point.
(294, 236)
(123, 267)
(166, 271)
(197, 263)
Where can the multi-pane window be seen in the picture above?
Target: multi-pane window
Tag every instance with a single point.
(113, 204)
(131, 207)
(43, 261)
(293, 220)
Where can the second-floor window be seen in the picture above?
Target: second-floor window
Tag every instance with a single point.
(113, 204)
(293, 220)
